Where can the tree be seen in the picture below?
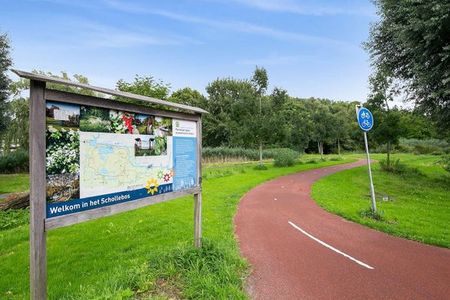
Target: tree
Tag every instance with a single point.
(232, 104)
(387, 129)
(22, 84)
(5, 63)
(145, 86)
(17, 109)
(342, 113)
(411, 44)
(260, 82)
(16, 132)
(188, 96)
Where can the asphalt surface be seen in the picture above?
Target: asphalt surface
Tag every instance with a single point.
(299, 251)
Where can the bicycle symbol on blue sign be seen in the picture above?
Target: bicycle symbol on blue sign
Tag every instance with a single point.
(365, 119)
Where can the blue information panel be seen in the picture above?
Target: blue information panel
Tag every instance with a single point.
(365, 119)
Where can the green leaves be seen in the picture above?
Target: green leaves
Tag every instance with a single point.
(410, 44)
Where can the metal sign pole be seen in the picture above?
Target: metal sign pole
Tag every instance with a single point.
(372, 189)
(365, 122)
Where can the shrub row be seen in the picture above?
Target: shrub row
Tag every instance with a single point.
(428, 146)
(241, 153)
(14, 162)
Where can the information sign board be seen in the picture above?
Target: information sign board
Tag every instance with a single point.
(93, 156)
(98, 157)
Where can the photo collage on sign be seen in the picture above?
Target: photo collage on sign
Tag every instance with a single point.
(151, 132)
(62, 154)
(68, 124)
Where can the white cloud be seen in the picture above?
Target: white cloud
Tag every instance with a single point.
(314, 8)
(233, 25)
(238, 26)
(78, 32)
(98, 35)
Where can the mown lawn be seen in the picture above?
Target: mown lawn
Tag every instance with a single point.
(10, 183)
(419, 200)
(147, 252)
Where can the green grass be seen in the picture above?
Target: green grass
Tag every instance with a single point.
(10, 183)
(147, 252)
(419, 206)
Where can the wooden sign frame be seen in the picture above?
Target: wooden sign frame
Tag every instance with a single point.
(39, 223)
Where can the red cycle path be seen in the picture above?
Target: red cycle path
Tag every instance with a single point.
(288, 264)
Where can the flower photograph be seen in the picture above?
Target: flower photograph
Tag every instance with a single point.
(62, 164)
(122, 122)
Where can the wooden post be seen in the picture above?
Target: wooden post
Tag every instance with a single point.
(38, 255)
(198, 196)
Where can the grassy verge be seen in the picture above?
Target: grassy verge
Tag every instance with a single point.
(419, 199)
(148, 252)
(10, 183)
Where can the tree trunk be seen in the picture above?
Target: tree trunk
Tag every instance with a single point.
(388, 162)
(15, 201)
(321, 150)
(260, 153)
(339, 147)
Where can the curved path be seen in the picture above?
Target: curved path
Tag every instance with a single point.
(299, 251)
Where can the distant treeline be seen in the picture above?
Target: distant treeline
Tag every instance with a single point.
(242, 114)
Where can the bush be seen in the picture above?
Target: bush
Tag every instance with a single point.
(397, 167)
(285, 158)
(14, 162)
(368, 213)
(428, 146)
(260, 167)
(445, 162)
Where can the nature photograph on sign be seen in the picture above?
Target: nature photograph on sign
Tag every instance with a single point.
(98, 156)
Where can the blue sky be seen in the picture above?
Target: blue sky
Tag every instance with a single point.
(310, 48)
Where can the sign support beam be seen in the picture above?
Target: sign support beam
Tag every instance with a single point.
(372, 189)
(38, 251)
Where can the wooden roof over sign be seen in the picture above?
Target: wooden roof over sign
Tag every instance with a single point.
(44, 78)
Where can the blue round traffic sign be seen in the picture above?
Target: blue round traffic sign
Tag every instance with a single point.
(365, 119)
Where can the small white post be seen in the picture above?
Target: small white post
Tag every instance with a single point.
(198, 220)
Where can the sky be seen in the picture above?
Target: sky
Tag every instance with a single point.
(311, 48)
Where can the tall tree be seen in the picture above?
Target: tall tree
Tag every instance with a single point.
(260, 81)
(387, 129)
(411, 43)
(342, 113)
(232, 105)
(188, 96)
(5, 63)
(324, 123)
(146, 86)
